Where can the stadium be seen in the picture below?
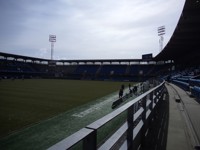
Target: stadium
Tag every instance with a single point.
(75, 104)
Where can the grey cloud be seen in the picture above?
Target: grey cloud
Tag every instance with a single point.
(85, 29)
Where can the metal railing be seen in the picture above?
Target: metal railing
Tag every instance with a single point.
(136, 116)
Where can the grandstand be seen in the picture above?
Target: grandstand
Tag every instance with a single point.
(15, 66)
(178, 64)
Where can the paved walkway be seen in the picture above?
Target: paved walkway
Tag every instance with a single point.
(184, 120)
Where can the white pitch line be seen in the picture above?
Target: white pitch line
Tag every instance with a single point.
(92, 108)
(97, 106)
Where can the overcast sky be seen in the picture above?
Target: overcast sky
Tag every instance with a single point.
(86, 29)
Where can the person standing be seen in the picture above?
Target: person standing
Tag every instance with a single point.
(121, 91)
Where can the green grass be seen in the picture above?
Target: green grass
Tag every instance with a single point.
(26, 102)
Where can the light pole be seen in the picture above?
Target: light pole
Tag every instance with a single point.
(161, 32)
(52, 39)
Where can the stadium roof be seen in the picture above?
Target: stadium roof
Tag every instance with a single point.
(14, 56)
(34, 59)
(184, 45)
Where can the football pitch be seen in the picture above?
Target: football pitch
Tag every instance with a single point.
(28, 106)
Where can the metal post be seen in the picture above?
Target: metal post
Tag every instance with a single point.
(144, 128)
(52, 48)
(151, 109)
(90, 142)
(151, 99)
(130, 120)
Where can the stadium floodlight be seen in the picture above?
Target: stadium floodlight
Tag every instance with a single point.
(52, 39)
(161, 32)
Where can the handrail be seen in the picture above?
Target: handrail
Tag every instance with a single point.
(130, 128)
(74, 139)
(107, 118)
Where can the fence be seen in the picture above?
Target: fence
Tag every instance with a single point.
(185, 86)
(124, 128)
(196, 92)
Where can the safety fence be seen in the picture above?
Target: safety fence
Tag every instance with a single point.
(124, 128)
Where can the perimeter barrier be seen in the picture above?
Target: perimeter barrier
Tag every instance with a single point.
(124, 128)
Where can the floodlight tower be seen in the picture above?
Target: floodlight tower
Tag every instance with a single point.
(161, 32)
(52, 39)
